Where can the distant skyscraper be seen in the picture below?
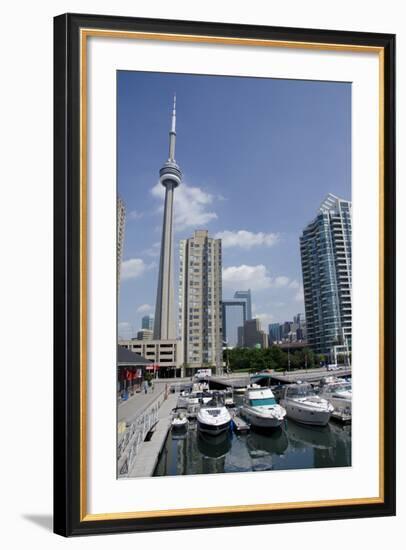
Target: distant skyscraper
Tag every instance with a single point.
(234, 314)
(170, 178)
(325, 248)
(147, 322)
(200, 294)
(251, 336)
(120, 237)
(275, 333)
(245, 295)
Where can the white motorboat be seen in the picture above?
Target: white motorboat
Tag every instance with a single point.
(213, 417)
(304, 406)
(338, 392)
(260, 408)
(180, 421)
(187, 398)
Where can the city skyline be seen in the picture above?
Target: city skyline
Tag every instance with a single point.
(260, 242)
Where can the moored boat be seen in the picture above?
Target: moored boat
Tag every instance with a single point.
(304, 406)
(261, 409)
(338, 392)
(213, 417)
(179, 420)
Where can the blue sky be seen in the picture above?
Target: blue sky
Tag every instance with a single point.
(258, 156)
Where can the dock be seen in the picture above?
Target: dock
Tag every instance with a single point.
(341, 416)
(276, 377)
(239, 424)
(304, 375)
(147, 457)
(230, 382)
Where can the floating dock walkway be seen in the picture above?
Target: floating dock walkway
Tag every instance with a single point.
(239, 424)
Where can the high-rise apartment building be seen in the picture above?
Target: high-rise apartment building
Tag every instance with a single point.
(120, 237)
(325, 248)
(245, 295)
(200, 296)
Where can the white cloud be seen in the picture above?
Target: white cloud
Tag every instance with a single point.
(133, 268)
(281, 281)
(246, 239)
(255, 277)
(135, 215)
(144, 308)
(191, 205)
(294, 284)
(265, 318)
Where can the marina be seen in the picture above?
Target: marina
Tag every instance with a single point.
(189, 428)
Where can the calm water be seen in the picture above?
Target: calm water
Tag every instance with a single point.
(293, 447)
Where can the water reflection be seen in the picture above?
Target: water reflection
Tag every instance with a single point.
(295, 446)
(214, 446)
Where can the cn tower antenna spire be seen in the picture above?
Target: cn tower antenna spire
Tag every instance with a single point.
(172, 133)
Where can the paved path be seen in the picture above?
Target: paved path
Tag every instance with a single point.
(147, 458)
(133, 407)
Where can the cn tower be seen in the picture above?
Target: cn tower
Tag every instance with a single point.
(170, 177)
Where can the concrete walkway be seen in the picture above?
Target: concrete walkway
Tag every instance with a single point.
(133, 407)
(147, 458)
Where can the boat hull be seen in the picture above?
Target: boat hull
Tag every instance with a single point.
(213, 429)
(305, 415)
(260, 420)
(179, 427)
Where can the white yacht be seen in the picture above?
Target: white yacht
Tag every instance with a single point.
(338, 392)
(303, 405)
(213, 417)
(260, 408)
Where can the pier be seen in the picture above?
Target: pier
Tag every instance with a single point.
(240, 425)
(143, 424)
(273, 377)
(232, 382)
(148, 455)
(303, 375)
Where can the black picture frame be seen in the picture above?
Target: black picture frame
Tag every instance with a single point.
(68, 520)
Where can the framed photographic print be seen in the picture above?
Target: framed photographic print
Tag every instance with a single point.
(224, 274)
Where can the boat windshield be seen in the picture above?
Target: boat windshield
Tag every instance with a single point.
(338, 386)
(262, 402)
(214, 402)
(300, 391)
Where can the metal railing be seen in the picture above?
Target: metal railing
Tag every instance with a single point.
(134, 436)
